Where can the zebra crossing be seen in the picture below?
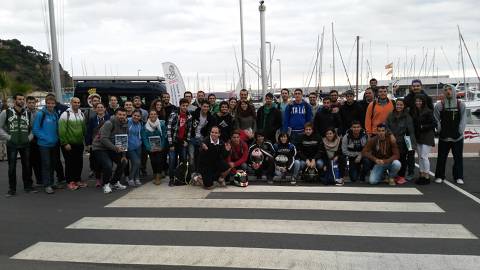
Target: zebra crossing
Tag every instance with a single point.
(279, 238)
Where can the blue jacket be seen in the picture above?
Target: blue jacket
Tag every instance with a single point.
(163, 136)
(296, 115)
(134, 135)
(45, 128)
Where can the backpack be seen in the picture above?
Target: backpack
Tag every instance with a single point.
(183, 174)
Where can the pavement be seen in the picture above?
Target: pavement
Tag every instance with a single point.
(260, 227)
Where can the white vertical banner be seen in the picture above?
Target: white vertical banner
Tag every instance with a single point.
(174, 82)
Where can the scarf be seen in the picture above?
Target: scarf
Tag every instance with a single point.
(331, 147)
(152, 126)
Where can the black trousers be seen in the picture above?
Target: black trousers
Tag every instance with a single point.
(157, 159)
(212, 172)
(105, 159)
(12, 152)
(457, 152)
(73, 162)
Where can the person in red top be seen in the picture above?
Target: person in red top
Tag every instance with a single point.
(237, 159)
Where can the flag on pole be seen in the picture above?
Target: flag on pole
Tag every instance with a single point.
(174, 82)
(389, 66)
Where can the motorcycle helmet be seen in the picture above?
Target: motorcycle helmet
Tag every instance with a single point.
(240, 179)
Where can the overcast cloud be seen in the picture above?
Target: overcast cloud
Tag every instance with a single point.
(122, 36)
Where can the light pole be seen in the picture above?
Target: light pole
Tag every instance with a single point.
(262, 9)
(269, 63)
(280, 72)
(138, 72)
(242, 45)
(55, 63)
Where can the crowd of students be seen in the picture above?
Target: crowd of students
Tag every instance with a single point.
(371, 140)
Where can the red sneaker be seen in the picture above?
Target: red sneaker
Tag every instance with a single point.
(400, 180)
(72, 186)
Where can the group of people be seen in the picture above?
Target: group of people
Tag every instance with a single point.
(373, 140)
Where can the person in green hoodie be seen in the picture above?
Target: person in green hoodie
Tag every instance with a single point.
(71, 129)
(16, 129)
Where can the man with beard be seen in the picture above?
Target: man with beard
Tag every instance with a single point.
(350, 111)
(326, 118)
(269, 118)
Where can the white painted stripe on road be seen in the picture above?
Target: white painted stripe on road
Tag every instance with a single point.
(365, 229)
(328, 189)
(240, 257)
(280, 204)
(455, 187)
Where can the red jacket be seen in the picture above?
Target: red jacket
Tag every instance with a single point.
(238, 154)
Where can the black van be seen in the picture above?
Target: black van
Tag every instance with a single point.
(123, 87)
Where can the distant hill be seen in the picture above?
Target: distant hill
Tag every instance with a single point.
(27, 67)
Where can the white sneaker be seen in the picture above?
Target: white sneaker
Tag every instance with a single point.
(439, 180)
(119, 186)
(460, 181)
(138, 183)
(107, 189)
(130, 182)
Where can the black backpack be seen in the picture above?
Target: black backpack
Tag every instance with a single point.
(183, 174)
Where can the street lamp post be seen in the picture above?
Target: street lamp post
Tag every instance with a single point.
(262, 9)
(280, 72)
(269, 63)
(138, 72)
(242, 46)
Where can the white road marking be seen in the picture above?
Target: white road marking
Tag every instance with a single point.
(365, 229)
(280, 204)
(240, 257)
(328, 189)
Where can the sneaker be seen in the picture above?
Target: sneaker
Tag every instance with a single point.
(460, 181)
(72, 186)
(171, 183)
(107, 189)
(49, 190)
(410, 177)
(138, 183)
(98, 183)
(131, 182)
(119, 186)
(400, 180)
(391, 181)
(221, 182)
(339, 182)
(11, 193)
(293, 181)
(82, 184)
(30, 190)
(439, 180)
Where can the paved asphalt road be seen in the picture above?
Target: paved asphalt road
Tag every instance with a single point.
(409, 227)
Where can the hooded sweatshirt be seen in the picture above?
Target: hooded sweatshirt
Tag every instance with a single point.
(45, 128)
(353, 146)
(296, 115)
(134, 135)
(451, 118)
(71, 127)
(15, 127)
(106, 139)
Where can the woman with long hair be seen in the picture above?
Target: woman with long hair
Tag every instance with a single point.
(135, 147)
(245, 120)
(154, 137)
(331, 152)
(157, 106)
(232, 105)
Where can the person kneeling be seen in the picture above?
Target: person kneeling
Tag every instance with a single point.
(212, 164)
(331, 150)
(382, 149)
(260, 159)
(352, 144)
(309, 154)
(285, 162)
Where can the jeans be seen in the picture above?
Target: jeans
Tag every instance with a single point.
(73, 162)
(35, 162)
(12, 152)
(376, 175)
(49, 157)
(180, 152)
(358, 171)
(104, 160)
(135, 157)
(193, 149)
(423, 162)
(457, 151)
(295, 169)
(319, 165)
(58, 165)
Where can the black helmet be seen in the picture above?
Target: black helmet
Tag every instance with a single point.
(310, 174)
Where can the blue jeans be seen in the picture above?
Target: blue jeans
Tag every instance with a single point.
(135, 157)
(49, 157)
(193, 148)
(295, 169)
(12, 152)
(319, 165)
(376, 175)
(180, 152)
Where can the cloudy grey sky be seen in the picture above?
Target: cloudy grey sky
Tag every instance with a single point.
(122, 36)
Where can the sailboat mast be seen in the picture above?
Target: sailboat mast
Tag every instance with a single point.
(358, 59)
(333, 54)
(320, 67)
(463, 63)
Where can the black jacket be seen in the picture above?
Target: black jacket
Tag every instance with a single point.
(196, 121)
(309, 147)
(349, 113)
(225, 124)
(424, 124)
(215, 153)
(273, 122)
(325, 119)
(410, 100)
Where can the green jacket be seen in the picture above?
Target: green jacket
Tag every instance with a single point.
(16, 127)
(71, 127)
